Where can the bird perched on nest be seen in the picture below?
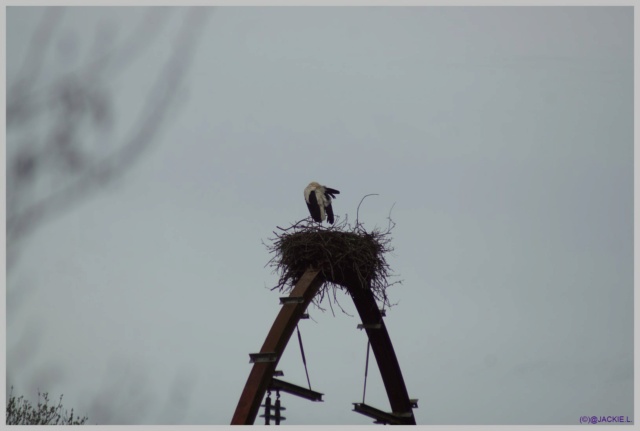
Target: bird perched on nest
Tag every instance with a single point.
(318, 200)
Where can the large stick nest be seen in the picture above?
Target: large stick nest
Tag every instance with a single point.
(345, 255)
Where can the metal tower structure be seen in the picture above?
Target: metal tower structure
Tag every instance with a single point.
(261, 377)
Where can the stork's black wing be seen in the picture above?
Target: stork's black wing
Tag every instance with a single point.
(314, 208)
(331, 192)
(329, 211)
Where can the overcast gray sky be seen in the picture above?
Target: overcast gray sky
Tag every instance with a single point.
(504, 136)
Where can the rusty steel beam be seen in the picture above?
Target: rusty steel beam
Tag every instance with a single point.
(276, 341)
(298, 391)
(380, 416)
(383, 351)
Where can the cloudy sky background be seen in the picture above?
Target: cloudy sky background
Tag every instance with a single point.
(504, 137)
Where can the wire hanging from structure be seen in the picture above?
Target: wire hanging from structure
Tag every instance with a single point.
(304, 360)
(366, 371)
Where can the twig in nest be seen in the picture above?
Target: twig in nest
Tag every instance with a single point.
(358, 209)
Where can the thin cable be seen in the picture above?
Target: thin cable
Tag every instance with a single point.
(304, 360)
(366, 371)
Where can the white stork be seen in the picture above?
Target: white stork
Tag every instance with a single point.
(318, 200)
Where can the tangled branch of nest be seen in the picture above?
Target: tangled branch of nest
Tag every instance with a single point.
(347, 256)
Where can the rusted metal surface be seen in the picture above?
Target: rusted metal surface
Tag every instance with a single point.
(276, 341)
(383, 351)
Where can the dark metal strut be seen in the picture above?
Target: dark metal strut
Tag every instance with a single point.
(273, 347)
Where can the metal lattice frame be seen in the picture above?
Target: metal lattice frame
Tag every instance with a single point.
(282, 329)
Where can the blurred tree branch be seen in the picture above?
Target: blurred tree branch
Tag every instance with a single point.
(59, 146)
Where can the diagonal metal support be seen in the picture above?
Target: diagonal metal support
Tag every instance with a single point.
(275, 343)
(388, 365)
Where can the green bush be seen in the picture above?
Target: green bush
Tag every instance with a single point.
(21, 412)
